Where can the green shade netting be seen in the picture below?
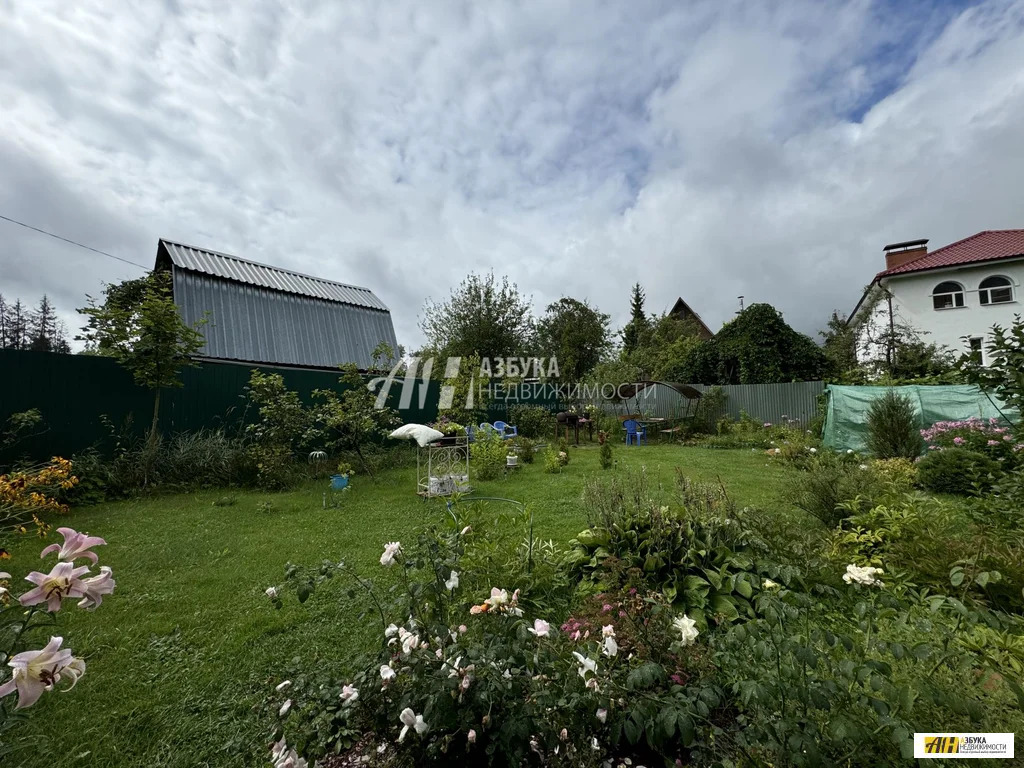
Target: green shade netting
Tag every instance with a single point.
(846, 418)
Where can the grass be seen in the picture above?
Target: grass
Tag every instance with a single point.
(182, 658)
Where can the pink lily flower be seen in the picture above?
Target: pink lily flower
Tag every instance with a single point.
(51, 588)
(75, 545)
(38, 671)
(95, 587)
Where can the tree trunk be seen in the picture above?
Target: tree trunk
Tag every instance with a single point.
(156, 416)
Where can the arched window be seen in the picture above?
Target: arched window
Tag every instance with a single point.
(995, 290)
(948, 295)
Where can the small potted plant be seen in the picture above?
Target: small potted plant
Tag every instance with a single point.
(450, 429)
(339, 481)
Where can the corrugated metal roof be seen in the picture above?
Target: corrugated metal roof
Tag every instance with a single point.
(257, 324)
(231, 267)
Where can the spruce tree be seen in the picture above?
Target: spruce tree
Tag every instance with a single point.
(638, 322)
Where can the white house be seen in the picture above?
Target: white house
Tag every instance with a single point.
(960, 290)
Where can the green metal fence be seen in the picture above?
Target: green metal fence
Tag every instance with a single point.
(82, 398)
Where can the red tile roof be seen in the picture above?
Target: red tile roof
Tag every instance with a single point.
(985, 246)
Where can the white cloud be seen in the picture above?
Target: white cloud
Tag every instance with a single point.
(708, 151)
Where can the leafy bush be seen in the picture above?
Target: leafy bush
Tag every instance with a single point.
(830, 481)
(957, 471)
(492, 651)
(697, 555)
(988, 437)
(554, 459)
(563, 447)
(208, 458)
(606, 455)
(893, 427)
(496, 682)
(525, 448)
(897, 475)
(488, 454)
(531, 421)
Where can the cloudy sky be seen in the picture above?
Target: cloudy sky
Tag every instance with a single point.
(705, 149)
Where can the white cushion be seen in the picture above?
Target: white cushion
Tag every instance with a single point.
(421, 434)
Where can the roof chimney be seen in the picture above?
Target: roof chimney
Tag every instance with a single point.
(898, 254)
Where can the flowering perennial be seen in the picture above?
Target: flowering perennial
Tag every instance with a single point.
(38, 671)
(865, 575)
(687, 629)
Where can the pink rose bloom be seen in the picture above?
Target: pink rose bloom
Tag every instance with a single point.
(992, 442)
(958, 441)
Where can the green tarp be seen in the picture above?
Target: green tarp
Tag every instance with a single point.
(846, 419)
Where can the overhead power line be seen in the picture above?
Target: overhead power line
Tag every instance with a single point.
(72, 242)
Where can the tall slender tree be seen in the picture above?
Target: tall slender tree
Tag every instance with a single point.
(138, 324)
(17, 326)
(638, 323)
(46, 331)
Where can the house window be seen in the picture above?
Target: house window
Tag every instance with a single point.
(995, 290)
(948, 295)
(975, 342)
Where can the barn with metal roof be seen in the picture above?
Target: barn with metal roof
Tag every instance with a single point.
(263, 314)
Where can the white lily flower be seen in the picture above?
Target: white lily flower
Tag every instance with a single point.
(285, 708)
(602, 715)
(282, 685)
(453, 581)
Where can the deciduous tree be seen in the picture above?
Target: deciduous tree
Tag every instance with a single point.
(139, 325)
(576, 334)
(483, 316)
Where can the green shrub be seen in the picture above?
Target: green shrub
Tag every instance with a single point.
(957, 471)
(525, 448)
(606, 455)
(893, 431)
(554, 459)
(898, 475)
(531, 420)
(563, 450)
(488, 454)
(830, 482)
(696, 553)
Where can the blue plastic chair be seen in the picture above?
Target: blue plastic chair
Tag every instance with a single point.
(634, 432)
(504, 430)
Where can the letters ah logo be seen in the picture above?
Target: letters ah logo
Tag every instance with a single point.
(941, 745)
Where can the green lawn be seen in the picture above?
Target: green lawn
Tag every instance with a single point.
(181, 657)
